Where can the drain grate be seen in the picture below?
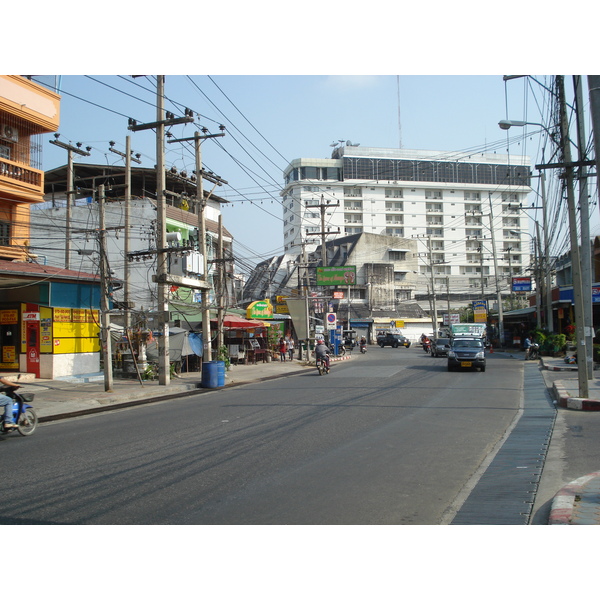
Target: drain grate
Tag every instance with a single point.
(506, 492)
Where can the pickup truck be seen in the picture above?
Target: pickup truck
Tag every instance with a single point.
(392, 339)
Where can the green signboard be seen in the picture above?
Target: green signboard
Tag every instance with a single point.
(336, 275)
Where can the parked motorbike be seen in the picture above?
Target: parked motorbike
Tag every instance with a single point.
(534, 351)
(322, 366)
(24, 415)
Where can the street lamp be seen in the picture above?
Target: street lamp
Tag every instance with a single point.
(507, 124)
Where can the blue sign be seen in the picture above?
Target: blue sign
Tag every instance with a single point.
(566, 294)
(479, 305)
(521, 284)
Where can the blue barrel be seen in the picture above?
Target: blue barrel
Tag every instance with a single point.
(213, 374)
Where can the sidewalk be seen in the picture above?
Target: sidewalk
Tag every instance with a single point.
(577, 503)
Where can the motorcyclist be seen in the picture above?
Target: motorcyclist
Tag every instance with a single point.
(6, 402)
(322, 351)
(363, 342)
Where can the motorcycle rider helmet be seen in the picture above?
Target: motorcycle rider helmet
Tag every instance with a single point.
(320, 342)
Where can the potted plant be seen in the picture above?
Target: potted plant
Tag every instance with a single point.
(223, 355)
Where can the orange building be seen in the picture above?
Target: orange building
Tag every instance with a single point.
(26, 111)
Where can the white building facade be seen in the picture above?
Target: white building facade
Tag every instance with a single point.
(464, 211)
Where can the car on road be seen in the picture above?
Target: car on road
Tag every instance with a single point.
(440, 347)
(466, 353)
(392, 339)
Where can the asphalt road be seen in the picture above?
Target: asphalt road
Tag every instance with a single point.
(388, 438)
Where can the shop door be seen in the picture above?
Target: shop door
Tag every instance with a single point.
(33, 347)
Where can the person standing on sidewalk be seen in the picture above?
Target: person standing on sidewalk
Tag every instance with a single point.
(282, 349)
(527, 345)
(290, 347)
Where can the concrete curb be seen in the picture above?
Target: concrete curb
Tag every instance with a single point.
(563, 505)
(564, 400)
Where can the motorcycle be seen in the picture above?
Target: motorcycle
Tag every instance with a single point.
(322, 366)
(363, 348)
(24, 415)
(427, 346)
(534, 351)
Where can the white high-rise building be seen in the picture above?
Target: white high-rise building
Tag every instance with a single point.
(464, 210)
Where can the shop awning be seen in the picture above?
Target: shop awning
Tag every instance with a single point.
(237, 322)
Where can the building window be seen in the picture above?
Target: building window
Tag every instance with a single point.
(403, 294)
(395, 231)
(352, 192)
(392, 206)
(434, 232)
(433, 194)
(473, 208)
(393, 193)
(353, 205)
(4, 152)
(434, 220)
(472, 196)
(352, 230)
(508, 197)
(433, 207)
(4, 233)
(391, 219)
(473, 233)
(353, 218)
(397, 254)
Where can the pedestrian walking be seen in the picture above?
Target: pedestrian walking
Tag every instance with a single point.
(282, 349)
(290, 347)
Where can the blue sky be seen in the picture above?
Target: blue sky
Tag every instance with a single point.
(271, 120)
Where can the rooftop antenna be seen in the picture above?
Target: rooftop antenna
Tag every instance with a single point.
(399, 121)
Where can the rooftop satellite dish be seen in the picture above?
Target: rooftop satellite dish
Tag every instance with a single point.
(348, 143)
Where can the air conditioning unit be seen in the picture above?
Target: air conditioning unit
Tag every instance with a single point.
(9, 133)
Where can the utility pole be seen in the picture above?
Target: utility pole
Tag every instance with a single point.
(126, 245)
(162, 274)
(510, 276)
(70, 190)
(104, 307)
(584, 212)
(547, 269)
(323, 206)
(498, 293)
(164, 371)
(201, 201)
(538, 275)
(221, 284)
(435, 319)
(575, 255)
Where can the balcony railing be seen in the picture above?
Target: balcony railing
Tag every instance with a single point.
(22, 174)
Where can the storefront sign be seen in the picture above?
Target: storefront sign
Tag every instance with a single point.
(9, 317)
(521, 284)
(261, 309)
(336, 275)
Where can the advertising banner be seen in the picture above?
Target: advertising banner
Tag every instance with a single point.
(336, 275)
